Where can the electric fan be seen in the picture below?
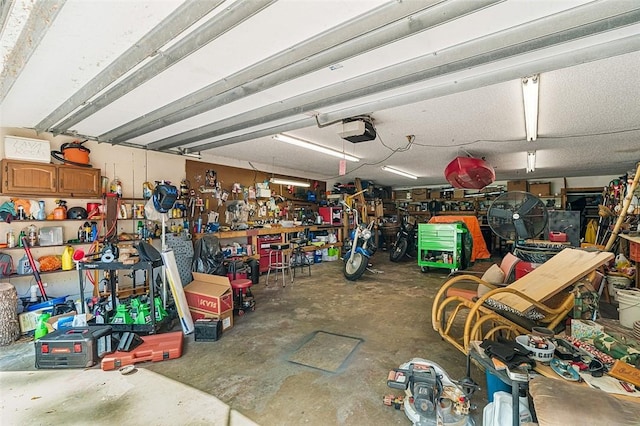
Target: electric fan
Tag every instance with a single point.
(517, 216)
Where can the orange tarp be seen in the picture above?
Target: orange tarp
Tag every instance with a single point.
(479, 246)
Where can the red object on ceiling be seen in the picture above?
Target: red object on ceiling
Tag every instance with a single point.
(469, 173)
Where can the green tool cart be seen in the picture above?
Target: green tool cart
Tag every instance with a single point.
(440, 245)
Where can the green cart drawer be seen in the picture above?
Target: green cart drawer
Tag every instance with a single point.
(440, 245)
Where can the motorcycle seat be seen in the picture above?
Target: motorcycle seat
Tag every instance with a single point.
(279, 246)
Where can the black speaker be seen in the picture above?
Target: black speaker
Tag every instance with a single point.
(254, 266)
(208, 329)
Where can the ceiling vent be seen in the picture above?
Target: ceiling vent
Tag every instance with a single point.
(358, 129)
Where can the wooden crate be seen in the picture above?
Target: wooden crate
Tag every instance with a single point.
(517, 185)
(540, 188)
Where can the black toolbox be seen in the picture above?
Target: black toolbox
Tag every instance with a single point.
(78, 347)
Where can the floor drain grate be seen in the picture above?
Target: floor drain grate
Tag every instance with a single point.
(325, 351)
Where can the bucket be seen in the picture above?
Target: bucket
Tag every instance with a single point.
(616, 283)
(494, 384)
(629, 306)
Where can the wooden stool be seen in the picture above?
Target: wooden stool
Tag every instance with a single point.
(9, 328)
(242, 297)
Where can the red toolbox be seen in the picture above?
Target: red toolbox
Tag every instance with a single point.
(523, 268)
(264, 247)
(78, 347)
(634, 252)
(157, 347)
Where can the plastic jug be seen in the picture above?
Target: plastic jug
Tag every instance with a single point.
(41, 329)
(60, 212)
(67, 258)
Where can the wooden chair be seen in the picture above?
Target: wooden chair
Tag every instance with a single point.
(543, 292)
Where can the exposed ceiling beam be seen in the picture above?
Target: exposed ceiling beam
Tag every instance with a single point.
(379, 27)
(531, 37)
(219, 24)
(182, 18)
(5, 9)
(605, 50)
(42, 16)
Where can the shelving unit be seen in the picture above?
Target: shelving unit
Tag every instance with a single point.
(113, 267)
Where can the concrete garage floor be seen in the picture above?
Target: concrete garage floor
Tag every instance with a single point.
(251, 367)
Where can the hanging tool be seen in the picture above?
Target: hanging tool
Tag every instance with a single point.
(623, 211)
(34, 268)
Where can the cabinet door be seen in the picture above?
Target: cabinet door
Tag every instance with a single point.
(78, 181)
(28, 178)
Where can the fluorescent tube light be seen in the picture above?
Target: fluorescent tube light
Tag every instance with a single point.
(530, 87)
(531, 161)
(192, 155)
(308, 145)
(399, 172)
(290, 182)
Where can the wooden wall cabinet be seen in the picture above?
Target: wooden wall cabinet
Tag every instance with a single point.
(31, 178)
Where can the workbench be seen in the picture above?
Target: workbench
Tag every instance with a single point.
(252, 235)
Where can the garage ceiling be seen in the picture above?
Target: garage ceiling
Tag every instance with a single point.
(220, 78)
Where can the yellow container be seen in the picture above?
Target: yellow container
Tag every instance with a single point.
(67, 258)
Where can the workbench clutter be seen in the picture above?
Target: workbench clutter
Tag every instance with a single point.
(530, 357)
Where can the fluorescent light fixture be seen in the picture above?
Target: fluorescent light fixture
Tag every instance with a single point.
(314, 147)
(530, 87)
(531, 161)
(399, 172)
(289, 182)
(185, 153)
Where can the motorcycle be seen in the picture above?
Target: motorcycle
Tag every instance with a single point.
(360, 247)
(406, 240)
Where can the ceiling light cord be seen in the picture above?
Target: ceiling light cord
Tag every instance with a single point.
(393, 151)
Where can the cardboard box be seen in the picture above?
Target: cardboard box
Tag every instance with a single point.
(226, 317)
(540, 188)
(419, 194)
(209, 293)
(64, 321)
(458, 194)
(585, 329)
(29, 320)
(517, 185)
(402, 195)
(435, 194)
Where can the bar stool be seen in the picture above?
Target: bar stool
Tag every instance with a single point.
(242, 297)
(279, 260)
(299, 258)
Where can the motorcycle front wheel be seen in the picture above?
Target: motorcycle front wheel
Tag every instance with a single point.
(353, 269)
(399, 250)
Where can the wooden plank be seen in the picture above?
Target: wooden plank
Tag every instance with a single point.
(553, 276)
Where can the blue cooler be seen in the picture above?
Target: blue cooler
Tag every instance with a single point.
(494, 384)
